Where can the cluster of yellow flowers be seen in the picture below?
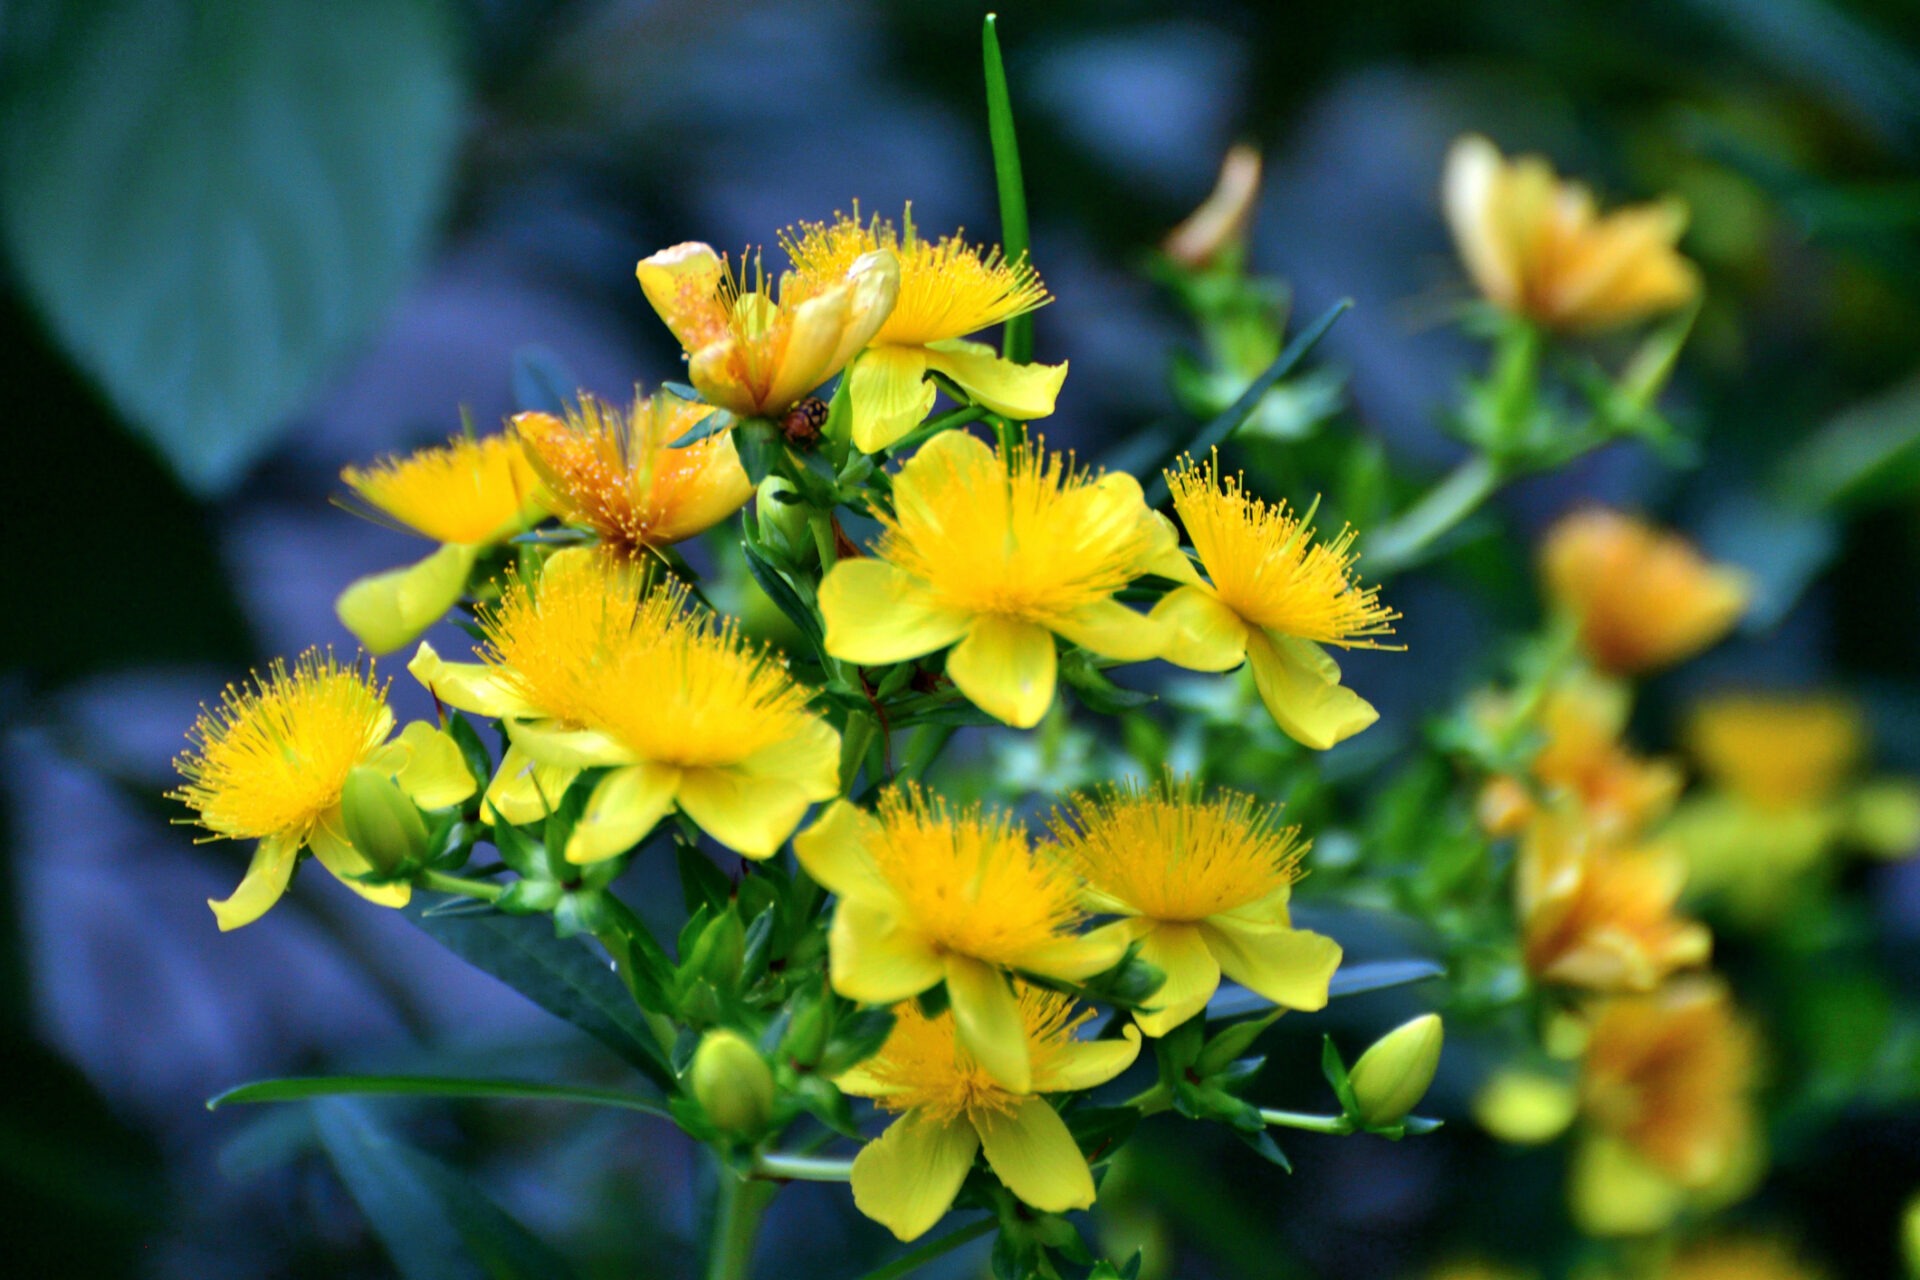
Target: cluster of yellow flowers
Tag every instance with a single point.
(606, 670)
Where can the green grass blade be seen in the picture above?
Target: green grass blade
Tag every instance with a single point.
(1017, 340)
(297, 1088)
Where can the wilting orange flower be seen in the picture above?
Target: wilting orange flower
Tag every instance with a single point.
(1666, 1095)
(1600, 917)
(1221, 220)
(1538, 246)
(614, 471)
(1643, 599)
(755, 353)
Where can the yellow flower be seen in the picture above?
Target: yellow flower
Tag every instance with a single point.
(589, 669)
(752, 353)
(1275, 596)
(929, 895)
(1539, 247)
(1643, 599)
(996, 554)
(948, 289)
(1740, 1258)
(1600, 916)
(950, 1107)
(466, 495)
(271, 763)
(613, 471)
(1666, 1094)
(1203, 886)
(1583, 717)
(1785, 795)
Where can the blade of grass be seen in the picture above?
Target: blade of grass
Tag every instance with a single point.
(295, 1088)
(1017, 339)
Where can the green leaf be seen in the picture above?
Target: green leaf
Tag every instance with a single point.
(1866, 456)
(1017, 340)
(1262, 1141)
(296, 1088)
(559, 975)
(213, 201)
(701, 881)
(1216, 431)
(433, 1221)
(784, 598)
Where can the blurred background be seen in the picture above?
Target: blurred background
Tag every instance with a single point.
(247, 242)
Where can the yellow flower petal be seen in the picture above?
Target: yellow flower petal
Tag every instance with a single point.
(987, 1020)
(1300, 686)
(1086, 1063)
(1006, 668)
(875, 959)
(1031, 1151)
(1193, 975)
(807, 359)
(753, 816)
(875, 614)
(1022, 392)
(388, 610)
(917, 487)
(267, 877)
(906, 1179)
(1290, 967)
(1614, 1192)
(435, 774)
(336, 853)
(523, 790)
(624, 807)
(683, 284)
(833, 852)
(890, 395)
(1080, 956)
(1202, 633)
(551, 742)
(1112, 630)
(467, 686)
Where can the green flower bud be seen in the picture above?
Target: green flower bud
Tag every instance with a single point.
(1393, 1075)
(381, 822)
(806, 1037)
(718, 952)
(782, 522)
(733, 1084)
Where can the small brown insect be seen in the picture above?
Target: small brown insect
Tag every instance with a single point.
(803, 422)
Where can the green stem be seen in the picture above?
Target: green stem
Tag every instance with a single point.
(441, 882)
(1402, 541)
(910, 1262)
(1151, 1101)
(1304, 1120)
(782, 1166)
(739, 1204)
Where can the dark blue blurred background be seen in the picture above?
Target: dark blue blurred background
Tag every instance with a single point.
(247, 243)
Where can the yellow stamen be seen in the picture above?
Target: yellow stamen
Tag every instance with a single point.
(1034, 540)
(272, 758)
(1267, 566)
(550, 637)
(923, 1065)
(948, 288)
(1174, 856)
(464, 491)
(969, 880)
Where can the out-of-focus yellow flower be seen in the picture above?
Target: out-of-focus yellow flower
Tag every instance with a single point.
(751, 353)
(929, 895)
(1525, 1106)
(1910, 1236)
(466, 495)
(271, 764)
(1666, 1096)
(1000, 554)
(1740, 1258)
(1203, 887)
(588, 670)
(1220, 223)
(612, 470)
(1643, 599)
(948, 290)
(1783, 796)
(1539, 247)
(1273, 595)
(1582, 759)
(1597, 915)
(950, 1107)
